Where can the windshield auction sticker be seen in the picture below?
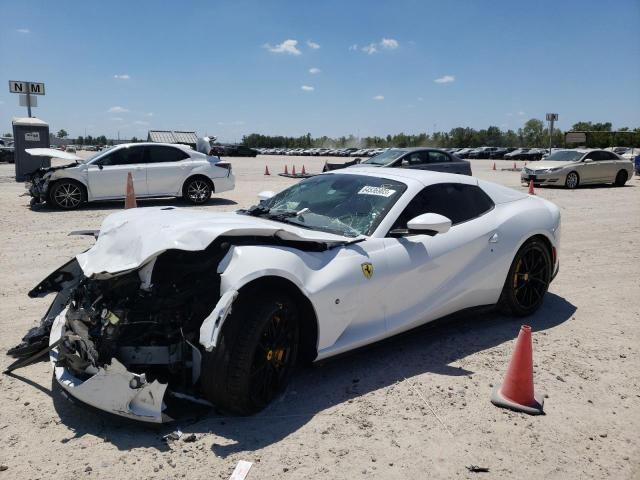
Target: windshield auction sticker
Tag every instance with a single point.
(378, 191)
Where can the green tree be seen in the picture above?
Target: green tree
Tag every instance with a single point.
(62, 133)
(80, 141)
(134, 139)
(533, 132)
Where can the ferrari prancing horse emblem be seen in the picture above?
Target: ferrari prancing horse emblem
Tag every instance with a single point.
(367, 269)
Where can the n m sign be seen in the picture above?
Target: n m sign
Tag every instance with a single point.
(32, 88)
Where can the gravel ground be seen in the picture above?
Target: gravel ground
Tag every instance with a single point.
(413, 407)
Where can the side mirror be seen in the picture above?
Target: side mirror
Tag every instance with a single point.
(100, 166)
(429, 224)
(588, 160)
(266, 195)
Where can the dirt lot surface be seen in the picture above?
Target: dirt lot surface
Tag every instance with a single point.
(413, 407)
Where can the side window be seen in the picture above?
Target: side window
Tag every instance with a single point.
(438, 157)
(593, 156)
(414, 158)
(455, 201)
(124, 156)
(162, 154)
(610, 156)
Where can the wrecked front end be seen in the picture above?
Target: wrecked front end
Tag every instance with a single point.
(38, 184)
(125, 343)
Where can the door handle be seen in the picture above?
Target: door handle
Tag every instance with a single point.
(494, 238)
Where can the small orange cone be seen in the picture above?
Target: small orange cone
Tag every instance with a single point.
(304, 172)
(286, 172)
(266, 170)
(130, 199)
(516, 392)
(293, 170)
(494, 166)
(531, 190)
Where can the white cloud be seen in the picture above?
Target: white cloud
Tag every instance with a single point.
(117, 109)
(124, 76)
(117, 119)
(307, 88)
(370, 49)
(509, 114)
(312, 45)
(379, 97)
(314, 71)
(141, 122)
(420, 99)
(521, 113)
(149, 114)
(445, 79)
(389, 43)
(374, 47)
(288, 46)
(23, 30)
(353, 48)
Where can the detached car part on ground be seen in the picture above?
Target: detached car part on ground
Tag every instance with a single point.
(158, 170)
(572, 168)
(171, 302)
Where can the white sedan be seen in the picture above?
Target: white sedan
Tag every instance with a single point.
(222, 305)
(571, 168)
(158, 170)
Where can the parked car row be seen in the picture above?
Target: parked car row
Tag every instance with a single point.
(323, 152)
(494, 153)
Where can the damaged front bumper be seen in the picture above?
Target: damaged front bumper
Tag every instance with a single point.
(112, 388)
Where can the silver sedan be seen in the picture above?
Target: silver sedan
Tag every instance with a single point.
(572, 168)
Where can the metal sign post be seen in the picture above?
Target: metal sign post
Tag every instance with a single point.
(551, 117)
(27, 89)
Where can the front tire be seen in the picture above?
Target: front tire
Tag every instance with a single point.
(528, 280)
(572, 180)
(197, 190)
(255, 355)
(621, 178)
(66, 194)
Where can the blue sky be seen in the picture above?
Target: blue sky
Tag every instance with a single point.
(235, 67)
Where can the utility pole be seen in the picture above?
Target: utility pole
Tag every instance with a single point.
(551, 117)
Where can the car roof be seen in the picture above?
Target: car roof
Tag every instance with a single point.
(409, 176)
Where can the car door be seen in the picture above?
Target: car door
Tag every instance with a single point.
(413, 160)
(592, 168)
(611, 166)
(441, 162)
(437, 275)
(107, 176)
(167, 168)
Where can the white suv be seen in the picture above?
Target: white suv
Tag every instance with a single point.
(158, 170)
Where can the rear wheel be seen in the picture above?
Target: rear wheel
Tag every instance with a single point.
(528, 279)
(66, 194)
(572, 180)
(197, 190)
(255, 355)
(621, 178)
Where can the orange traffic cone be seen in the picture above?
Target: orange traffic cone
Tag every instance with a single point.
(531, 190)
(286, 172)
(266, 170)
(516, 392)
(494, 166)
(293, 170)
(303, 170)
(130, 199)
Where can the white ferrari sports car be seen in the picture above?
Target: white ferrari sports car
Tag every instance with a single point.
(171, 302)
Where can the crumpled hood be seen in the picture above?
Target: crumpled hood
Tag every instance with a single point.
(130, 238)
(544, 164)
